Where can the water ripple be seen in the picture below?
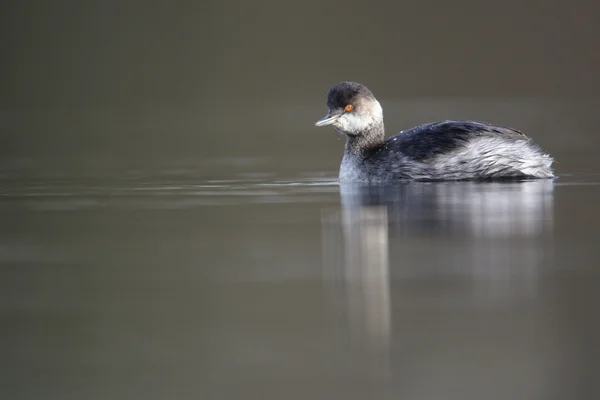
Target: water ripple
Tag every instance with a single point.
(77, 195)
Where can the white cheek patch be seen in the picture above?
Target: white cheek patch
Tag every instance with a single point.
(354, 122)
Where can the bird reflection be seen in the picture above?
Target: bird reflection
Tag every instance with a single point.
(483, 238)
(497, 209)
(366, 270)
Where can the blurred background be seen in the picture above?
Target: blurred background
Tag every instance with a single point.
(171, 225)
(91, 84)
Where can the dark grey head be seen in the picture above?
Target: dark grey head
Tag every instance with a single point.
(353, 110)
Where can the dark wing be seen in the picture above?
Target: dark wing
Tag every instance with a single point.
(429, 140)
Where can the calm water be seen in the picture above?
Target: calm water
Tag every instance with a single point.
(168, 285)
(170, 225)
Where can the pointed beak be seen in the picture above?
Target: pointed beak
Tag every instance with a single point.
(328, 119)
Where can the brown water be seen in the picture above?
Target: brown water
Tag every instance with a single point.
(174, 286)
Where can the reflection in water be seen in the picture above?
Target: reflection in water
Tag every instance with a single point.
(365, 232)
(486, 232)
(471, 208)
(480, 240)
(364, 276)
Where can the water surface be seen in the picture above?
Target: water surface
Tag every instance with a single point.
(155, 286)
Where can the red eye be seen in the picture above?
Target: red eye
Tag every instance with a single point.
(349, 107)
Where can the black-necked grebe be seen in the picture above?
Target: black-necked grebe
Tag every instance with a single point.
(448, 150)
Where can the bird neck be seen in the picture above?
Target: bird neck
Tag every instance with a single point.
(365, 141)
